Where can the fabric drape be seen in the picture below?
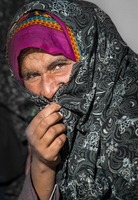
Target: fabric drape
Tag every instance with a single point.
(100, 107)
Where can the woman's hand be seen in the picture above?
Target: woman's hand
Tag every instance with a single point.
(46, 136)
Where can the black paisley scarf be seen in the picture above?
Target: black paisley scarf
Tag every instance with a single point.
(100, 107)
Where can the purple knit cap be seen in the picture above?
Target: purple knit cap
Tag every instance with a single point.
(40, 30)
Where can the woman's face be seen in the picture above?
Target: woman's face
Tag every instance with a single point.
(43, 73)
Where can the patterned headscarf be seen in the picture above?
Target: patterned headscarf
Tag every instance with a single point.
(44, 31)
(99, 105)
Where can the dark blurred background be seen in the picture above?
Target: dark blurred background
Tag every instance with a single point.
(15, 113)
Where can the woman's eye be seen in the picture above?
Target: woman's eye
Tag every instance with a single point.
(58, 66)
(31, 76)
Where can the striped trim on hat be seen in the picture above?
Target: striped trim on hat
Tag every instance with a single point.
(45, 19)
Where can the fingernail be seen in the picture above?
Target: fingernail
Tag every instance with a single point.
(60, 114)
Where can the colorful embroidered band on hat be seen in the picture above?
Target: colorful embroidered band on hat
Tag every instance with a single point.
(41, 30)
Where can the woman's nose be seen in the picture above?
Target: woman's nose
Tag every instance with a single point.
(49, 86)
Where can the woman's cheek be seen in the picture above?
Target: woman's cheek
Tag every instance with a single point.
(32, 87)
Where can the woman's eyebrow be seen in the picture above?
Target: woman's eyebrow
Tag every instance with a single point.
(57, 61)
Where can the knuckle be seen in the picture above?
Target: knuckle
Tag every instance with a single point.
(48, 158)
(40, 116)
(44, 123)
(61, 140)
(52, 130)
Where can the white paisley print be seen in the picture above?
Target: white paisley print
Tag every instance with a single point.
(100, 107)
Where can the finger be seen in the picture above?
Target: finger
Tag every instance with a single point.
(49, 109)
(55, 147)
(45, 125)
(53, 133)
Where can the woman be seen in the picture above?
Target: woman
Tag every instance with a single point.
(83, 76)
